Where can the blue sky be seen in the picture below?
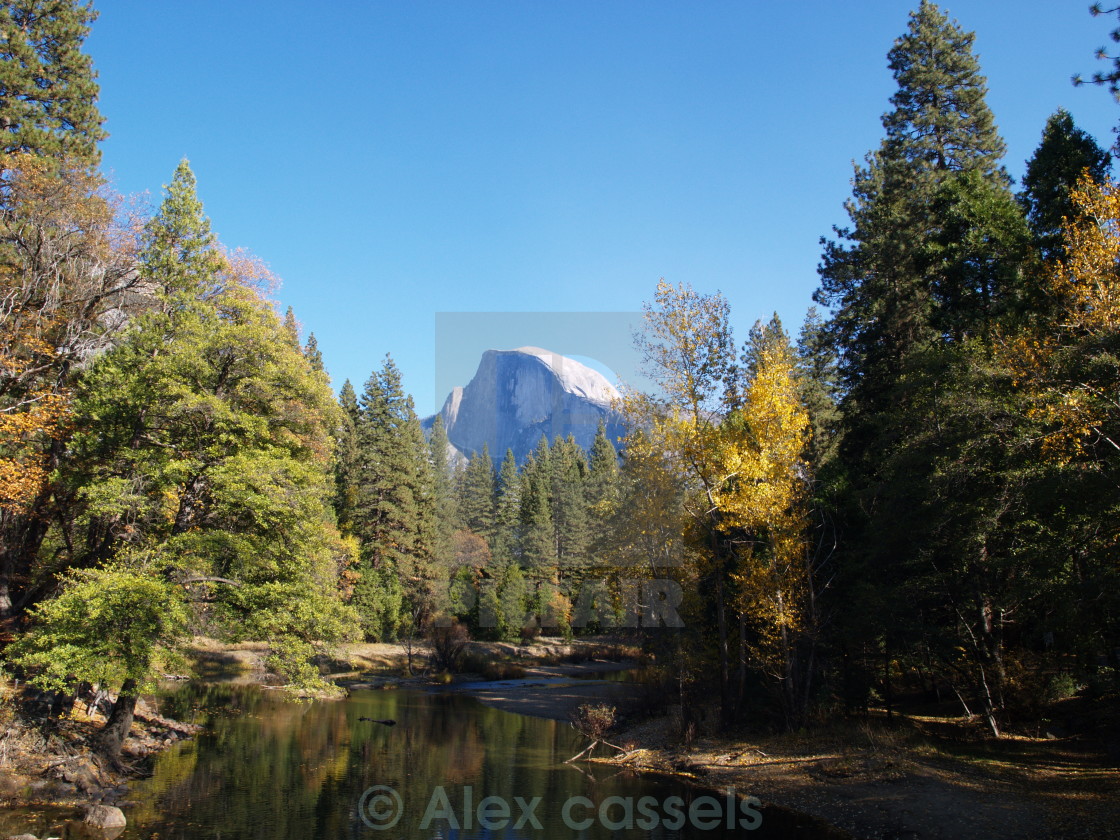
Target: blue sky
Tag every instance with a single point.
(392, 161)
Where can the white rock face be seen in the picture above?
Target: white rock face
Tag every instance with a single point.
(516, 396)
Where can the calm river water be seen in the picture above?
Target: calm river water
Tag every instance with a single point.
(451, 768)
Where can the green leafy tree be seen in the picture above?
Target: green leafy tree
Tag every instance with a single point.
(48, 87)
(201, 463)
(112, 626)
(513, 602)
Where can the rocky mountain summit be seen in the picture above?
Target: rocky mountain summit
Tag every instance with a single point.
(516, 396)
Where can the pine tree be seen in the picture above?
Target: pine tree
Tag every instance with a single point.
(393, 516)
(312, 354)
(569, 510)
(291, 327)
(538, 530)
(875, 275)
(602, 469)
(48, 87)
(477, 495)
(941, 121)
(819, 387)
(179, 253)
(444, 497)
(936, 257)
(762, 336)
(346, 464)
(1052, 172)
(602, 491)
(507, 514)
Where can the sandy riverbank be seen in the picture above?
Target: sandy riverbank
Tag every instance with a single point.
(883, 782)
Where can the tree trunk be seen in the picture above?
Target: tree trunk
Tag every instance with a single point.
(724, 652)
(117, 727)
(741, 683)
(888, 693)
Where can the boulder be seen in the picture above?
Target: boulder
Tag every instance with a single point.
(105, 817)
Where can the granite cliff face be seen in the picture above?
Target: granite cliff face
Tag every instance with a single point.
(516, 396)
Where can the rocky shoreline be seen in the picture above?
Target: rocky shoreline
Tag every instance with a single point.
(47, 764)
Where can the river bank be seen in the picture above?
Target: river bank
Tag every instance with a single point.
(920, 778)
(876, 781)
(47, 761)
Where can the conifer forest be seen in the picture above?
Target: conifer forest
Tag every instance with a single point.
(907, 497)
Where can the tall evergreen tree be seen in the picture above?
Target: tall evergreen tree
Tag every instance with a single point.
(819, 386)
(873, 276)
(896, 285)
(48, 87)
(347, 456)
(1052, 172)
(178, 250)
(934, 254)
(291, 327)
(569, 510)
(444, 497)
(538, 530)
(507, 514)
(602, 491)
(477, 494)
(312, 354)
(392, 517)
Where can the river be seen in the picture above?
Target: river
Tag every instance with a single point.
(268, 767)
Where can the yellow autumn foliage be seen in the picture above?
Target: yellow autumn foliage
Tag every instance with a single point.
(1077, 411)
(740, 457)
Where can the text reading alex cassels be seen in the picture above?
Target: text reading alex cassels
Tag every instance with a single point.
(381, 807)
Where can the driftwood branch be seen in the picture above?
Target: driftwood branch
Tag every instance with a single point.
(582, 753)
(591, 749)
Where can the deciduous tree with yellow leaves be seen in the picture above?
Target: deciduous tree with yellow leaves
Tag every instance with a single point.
(735, 442)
